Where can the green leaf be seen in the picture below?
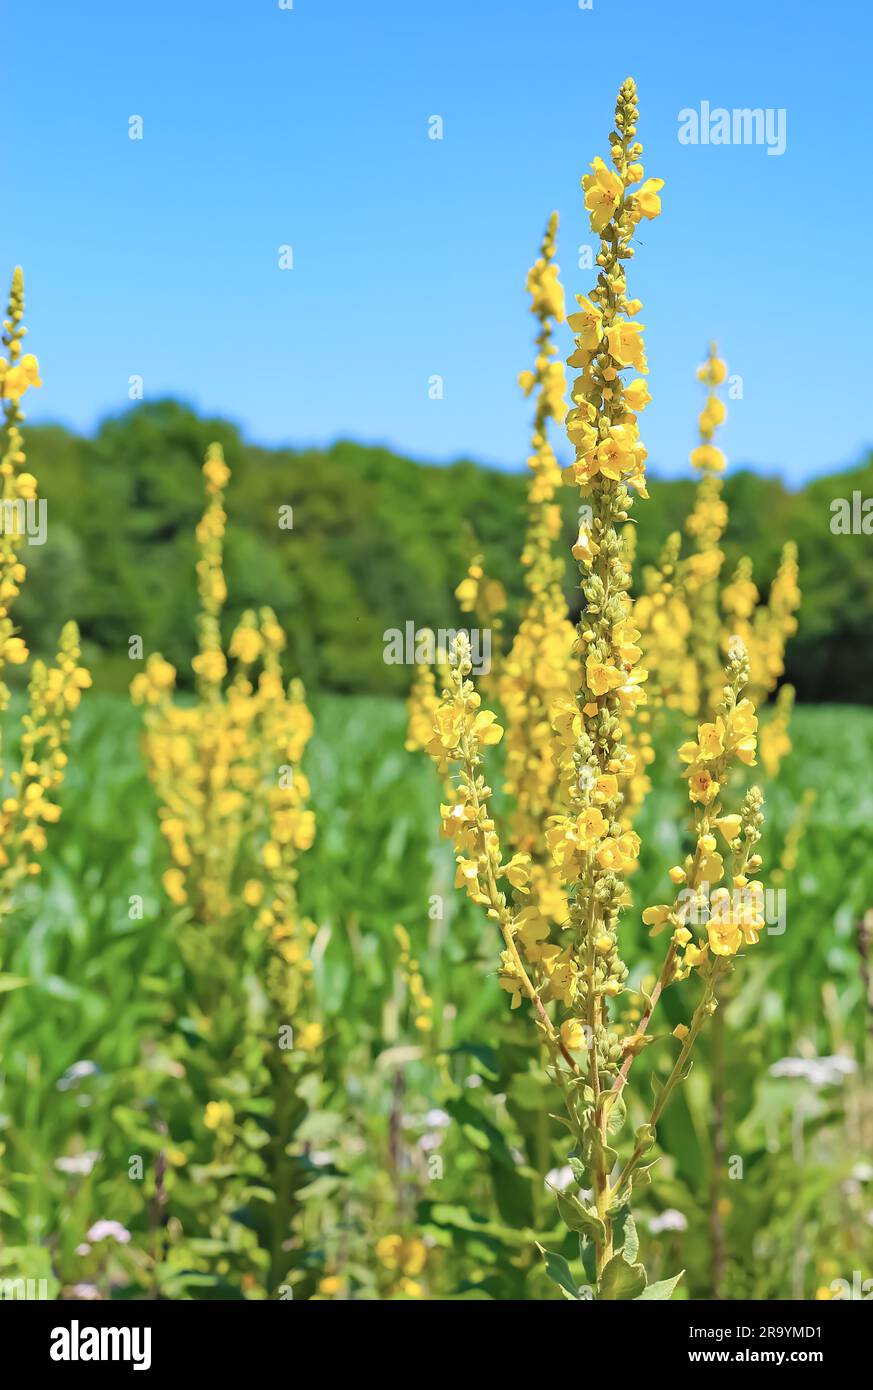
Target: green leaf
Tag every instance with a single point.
(641, 1177)
(480, 1131)
(608, 1156)
(622, 1281)
(588, 1256)
(631, 1246)
(8, 982)
(663, 1289)
(578, 1218)
(8, 1205)
(578, 1169)
(559, 1272)
(625, 1234)
(616, 1112)
(562, 1120)
(645, 1137)
(484, 1055)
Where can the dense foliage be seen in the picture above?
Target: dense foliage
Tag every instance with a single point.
(110, 991)
(377, 539)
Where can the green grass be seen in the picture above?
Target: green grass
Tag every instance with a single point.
(104, 985)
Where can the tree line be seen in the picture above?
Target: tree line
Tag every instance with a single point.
(352, 540)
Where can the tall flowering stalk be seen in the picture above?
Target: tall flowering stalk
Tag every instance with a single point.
(536, 670)
(54, 690)
(590, 844)
(485, 597)
(678, 611)
(766, 629)
(233, 810)
(705, 527)
(574, 985)
(421, 707)
(688, 618)
(688, 623)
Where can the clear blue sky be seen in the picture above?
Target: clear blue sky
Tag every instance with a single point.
(308, 127)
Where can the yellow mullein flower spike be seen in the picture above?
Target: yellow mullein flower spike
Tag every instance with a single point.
(235, 817)
(536, 671)
(54, 690)
(578, 728)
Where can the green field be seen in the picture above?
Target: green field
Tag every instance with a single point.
(108, 987)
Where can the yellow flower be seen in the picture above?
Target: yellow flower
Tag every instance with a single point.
(510, 980)
(407, 1256)
(616, 452)
(532, 931)
(414, 1255)
(448, 723)
(215, 470)
(246, 644)
(605, 788)
(14, 650)
(601, 676)
(707, 456)
(304, 835)
(15, 380)
(696, 955)
(253, 892)
(710, 738)
(624, 342)
(729, 826)
(636, 394)
(713, 371)
(647, 200)
(585, 548)
(546, 290)
(562, 838)
(619, 855)
(518, 871)
(714, 414)
(657, 917)
(309, 1037)
(485, 727)
(211, 665)
(702, 787)
(573, 1034)
(725, 937)
(743, 719)
(587, 324)
(603, 190)
(466, 593)
(271, 855)
(388, 1250)
(174, 885)
(218, 1115)
(745, 751)
(527, 381)
(562, 975)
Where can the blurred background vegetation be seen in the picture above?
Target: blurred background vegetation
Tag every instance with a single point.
(377, 540)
